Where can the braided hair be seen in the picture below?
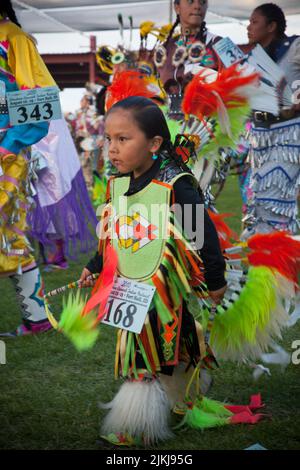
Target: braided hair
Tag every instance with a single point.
(177, 22)
(169, 151)
(6, 9)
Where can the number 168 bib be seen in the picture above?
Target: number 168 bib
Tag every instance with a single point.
(128, 304)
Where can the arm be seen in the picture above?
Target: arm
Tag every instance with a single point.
(93, 266)
(213, 260)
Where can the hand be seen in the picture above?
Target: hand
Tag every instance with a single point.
(217, 295)
(86, 279)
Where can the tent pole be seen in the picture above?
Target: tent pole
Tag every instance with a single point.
(92, 62)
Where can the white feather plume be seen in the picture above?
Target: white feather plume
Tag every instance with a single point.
(141, 409)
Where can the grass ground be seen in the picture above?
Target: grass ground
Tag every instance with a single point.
(49, 393)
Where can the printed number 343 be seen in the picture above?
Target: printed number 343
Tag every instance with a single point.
(36, 113)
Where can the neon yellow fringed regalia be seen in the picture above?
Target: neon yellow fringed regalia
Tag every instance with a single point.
(150, 249)
(21, 67)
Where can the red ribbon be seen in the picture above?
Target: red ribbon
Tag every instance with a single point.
(104, 284)
(243, 413)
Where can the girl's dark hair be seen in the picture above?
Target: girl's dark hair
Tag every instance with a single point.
(273, 12)
(147, 115)
(6, 8)
(151, 121)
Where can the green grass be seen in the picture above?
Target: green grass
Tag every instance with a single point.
(50, 394)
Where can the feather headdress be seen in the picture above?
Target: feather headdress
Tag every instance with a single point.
(277, 250)
(212, 93)
(131, 83)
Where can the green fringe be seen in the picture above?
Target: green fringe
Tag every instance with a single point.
(162, 311)
(179, 257)
(178, 287)
(132, 352)
(147, 364)
(174, 283)
(79, 329)
(200, 313)
(127, 353)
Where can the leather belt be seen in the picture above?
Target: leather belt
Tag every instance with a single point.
(264, 119)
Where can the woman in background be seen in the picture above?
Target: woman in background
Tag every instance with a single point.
(275, 140)
(21, 68)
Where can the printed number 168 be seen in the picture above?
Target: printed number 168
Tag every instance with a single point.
(117, 316)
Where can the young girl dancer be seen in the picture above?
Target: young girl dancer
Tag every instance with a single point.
(139, 146)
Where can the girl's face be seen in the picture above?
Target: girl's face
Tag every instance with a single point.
(191, 12)
(129, 149)
(259, 30)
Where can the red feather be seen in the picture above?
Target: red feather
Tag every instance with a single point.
(277, 250)
(225, 233)
(202, 99)
(104, 284)
(125, 84)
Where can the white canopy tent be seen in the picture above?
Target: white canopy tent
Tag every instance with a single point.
(80, 18)
(46, 16)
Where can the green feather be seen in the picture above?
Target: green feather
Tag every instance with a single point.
(244, 325)
(237, 117)
(174, 128)
(163, 312)
(215, 407)
(80, 329)
(198, 418)
(99, 190)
